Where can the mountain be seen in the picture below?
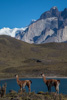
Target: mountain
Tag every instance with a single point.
(50, 27)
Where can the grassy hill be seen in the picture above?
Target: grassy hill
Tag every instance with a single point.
(29, 60)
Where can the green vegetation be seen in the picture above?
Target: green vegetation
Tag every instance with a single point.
(13, 95)
(29, 60)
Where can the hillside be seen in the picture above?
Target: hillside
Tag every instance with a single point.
(29, 60)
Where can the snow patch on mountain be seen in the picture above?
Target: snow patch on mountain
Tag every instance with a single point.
(10, 32)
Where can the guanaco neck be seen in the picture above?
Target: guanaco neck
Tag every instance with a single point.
(44, 79)
(17, 78)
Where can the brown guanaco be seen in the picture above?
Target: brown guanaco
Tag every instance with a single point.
(23, 83)
(50, 83)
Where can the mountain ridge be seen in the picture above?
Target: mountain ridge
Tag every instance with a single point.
(50, 27)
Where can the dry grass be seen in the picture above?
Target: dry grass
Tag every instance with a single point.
(33, 96)
(30, 60)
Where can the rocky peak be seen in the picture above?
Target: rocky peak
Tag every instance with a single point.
(64, 13)
(53, 12)
(54, 8)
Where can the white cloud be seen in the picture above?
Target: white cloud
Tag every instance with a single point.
(10, 32)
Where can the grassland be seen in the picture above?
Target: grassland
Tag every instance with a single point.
(29, 60)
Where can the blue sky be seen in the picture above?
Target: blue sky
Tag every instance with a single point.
(19, 13)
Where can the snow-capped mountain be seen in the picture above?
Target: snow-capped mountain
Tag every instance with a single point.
(50, 27)
(11, 32)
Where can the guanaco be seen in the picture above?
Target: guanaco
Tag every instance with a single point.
(23, 83)
(50, 83)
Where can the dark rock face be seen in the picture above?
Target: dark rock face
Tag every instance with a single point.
(64, 13)
(50, 27)
(52, 13)
(45, 15)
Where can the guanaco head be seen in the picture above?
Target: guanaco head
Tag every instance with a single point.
(42, 74)
(16, 76)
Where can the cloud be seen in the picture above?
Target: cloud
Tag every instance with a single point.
(10, 32)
